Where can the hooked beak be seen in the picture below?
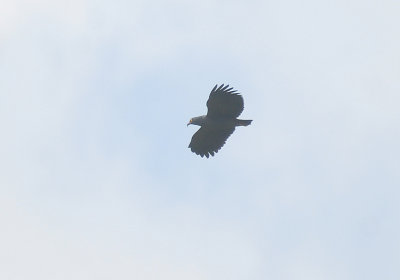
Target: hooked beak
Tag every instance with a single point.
(188, 124)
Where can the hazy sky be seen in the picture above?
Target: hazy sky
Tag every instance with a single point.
(97, 182)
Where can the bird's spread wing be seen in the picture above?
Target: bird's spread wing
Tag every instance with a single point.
(207, 141)
(224, 102)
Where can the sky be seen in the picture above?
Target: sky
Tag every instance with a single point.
(97, 182)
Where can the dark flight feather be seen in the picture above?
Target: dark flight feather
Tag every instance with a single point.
(207, 141)
(224, 102)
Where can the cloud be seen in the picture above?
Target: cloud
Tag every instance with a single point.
(97, 180)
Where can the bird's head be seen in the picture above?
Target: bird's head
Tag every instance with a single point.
(197, 120)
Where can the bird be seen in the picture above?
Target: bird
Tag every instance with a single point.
(224, 106)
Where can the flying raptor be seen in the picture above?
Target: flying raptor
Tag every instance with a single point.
(224, 106)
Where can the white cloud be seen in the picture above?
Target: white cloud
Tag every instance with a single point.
(95, 184)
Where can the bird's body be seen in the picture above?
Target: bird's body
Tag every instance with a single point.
(219, 123)
(224, 106)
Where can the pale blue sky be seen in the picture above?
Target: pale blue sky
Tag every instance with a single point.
(97, 181)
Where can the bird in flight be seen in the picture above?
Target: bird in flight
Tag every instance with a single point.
(224, 106)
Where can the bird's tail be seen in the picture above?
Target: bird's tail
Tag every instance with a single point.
(243, 122)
